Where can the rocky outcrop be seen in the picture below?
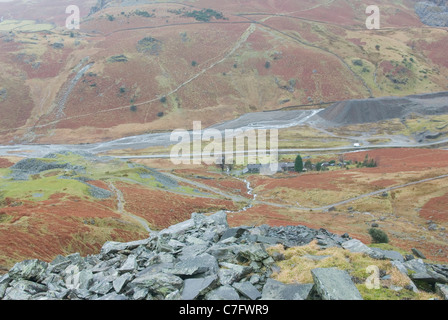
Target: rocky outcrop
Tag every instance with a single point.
(433, 12)
(198, 259)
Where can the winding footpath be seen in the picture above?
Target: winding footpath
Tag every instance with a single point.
(122, 211)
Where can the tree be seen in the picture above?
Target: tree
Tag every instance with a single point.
(298, 164)
(194, 63)
(133, 108)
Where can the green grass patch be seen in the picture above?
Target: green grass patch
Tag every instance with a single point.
(44, 187)
(385, 293)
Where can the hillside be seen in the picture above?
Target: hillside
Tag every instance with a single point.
(74, 202)
(93, 205)
(204, 259)
(143, 67)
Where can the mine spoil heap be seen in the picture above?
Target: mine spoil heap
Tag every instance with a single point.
(200, 259)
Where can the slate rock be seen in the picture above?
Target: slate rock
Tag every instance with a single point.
(111, 247)
(178, 229)
(218, 218)
(16, 294)
(231, 273)
(201, 264)
(28, 286)
(159, 283)
(334, 284)
(418, 253)
(268, 240)
(442, 290)
(254, 252)
(389, 254)
(101, 288)
(195, 287)
(276, 290)
(33, 270)
(129, 265)
(5, 280)
(223, 293)
(247, 289)
(121, 282)
(357, 246)
(193, 250)
(233, 232)
(85, 279)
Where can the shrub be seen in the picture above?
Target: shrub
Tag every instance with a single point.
(163, 99)
(194, 63)
(133, 108)
(144, 14)
(298, 164)
(357, 62)
(267, 65)
(378, 236)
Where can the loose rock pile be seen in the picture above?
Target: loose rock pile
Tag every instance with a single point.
(433, 12)
(201, 258)
(23, 169)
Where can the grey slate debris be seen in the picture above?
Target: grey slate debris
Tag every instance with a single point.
(201, 258)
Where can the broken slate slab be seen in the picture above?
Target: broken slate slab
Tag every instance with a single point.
(248, 290)
(233, 232)
(223, 293)
(276, 290)
(195, 287)
(334, 284)
(357, 246)
(121, 282)
(204, 263)
(389, 254)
